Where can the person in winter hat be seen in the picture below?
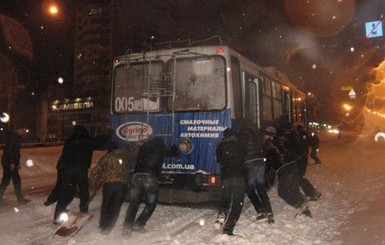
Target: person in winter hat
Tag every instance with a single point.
(230, 156)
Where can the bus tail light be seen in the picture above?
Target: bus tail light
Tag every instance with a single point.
(213, 180)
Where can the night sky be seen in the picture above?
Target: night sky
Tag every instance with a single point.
(320, 44)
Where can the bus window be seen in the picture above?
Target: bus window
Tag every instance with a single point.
(267, 100)
(297, 108)
(266, 86)
(277, 107)
(130, 91)
(287, 103)
(251, 99)
(277, 100)
(200, 83)
(237, 86)
(276, 89)
(267, 108)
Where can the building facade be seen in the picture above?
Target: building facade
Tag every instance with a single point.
(86, 99)
(103, 30)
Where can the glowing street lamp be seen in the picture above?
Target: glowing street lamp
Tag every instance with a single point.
(347, 107)
(53, 9)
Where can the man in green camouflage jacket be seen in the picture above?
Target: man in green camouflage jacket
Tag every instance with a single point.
(112, 173)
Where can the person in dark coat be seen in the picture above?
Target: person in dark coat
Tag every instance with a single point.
(314, 148)
(230, 156)
(255, 162)
(279, 148)
(10, 162)
(304, 139)
(112, 174)
(144, 182)
(75, 162)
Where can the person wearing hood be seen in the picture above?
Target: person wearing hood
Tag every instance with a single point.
(74, 163)
(252, 140)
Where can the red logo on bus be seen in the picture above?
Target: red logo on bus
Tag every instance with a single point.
(134, 131)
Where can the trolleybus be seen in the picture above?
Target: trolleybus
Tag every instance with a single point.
(189, 96)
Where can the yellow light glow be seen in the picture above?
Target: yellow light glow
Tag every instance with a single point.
(286, 88)
(347, 107)
(53, 9)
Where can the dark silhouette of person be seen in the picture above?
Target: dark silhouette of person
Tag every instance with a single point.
(230, 156)
(144, 182)
(281, 149)
(112, 175)
(314, 147)
(252, 140)
(304, 139)
(10, 162)
(74, 164)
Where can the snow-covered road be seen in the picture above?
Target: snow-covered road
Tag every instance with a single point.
(350, 211)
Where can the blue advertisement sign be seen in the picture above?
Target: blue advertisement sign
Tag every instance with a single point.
(203, 129)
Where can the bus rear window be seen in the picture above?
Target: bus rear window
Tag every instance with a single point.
(200, 83)
(130, 90)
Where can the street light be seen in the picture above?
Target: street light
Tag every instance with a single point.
(53, 9)
(347, 107)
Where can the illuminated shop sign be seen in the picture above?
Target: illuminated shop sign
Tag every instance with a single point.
(72, 105)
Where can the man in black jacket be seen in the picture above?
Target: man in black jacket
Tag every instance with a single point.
(144, 182)
(314, 146)
(230, 155)
(252, 140)
(75, 161)
(10, 162)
